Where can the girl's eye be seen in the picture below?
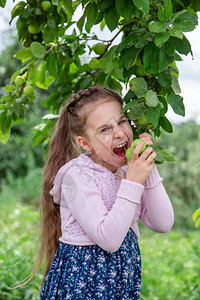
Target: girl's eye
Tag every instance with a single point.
(105, 130)
(122, 121)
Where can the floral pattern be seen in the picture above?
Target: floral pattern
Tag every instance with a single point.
(89, 272)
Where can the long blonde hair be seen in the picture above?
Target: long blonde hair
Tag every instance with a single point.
(63, 148)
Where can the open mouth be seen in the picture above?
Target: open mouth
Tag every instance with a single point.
(120, 150)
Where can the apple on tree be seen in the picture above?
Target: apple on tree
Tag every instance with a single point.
(28, 91)
(45, 5)
(19, 81)
(99, 48)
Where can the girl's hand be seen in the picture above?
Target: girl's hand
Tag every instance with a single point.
(146, 137)
(139, 167)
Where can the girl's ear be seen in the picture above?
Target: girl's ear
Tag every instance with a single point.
(84, 143)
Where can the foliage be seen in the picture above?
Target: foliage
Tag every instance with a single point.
(19, 155)
(182, 179)
(59, 56)
(166, 273)
(7, 63)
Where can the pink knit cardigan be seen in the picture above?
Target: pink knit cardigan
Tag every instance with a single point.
(99, 207)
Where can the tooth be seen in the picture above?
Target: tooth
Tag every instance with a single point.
(119, 146)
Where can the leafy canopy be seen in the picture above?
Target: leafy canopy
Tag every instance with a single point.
(62, 56)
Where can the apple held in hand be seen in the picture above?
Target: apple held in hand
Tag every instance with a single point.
(129, 151)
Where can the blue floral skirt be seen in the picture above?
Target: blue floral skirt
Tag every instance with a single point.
(89, 272)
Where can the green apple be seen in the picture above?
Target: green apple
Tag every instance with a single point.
(132, 83)
(99, 48)
(129, 151)
(136, 142)
(45, 5)
(33, 28)
(28, 91)
(19, 81)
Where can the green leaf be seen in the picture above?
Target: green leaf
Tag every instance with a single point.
(168, 156)
(166, 124)
(130, 105)
(165, 11)
(51, 21)
(2, 3)
(14, 75)
(18, 10)
(186, 22)
(52, 64)
(176, 32)
(81, 22)
(68, 8)
(49, 34)
(41, 73)
(125, 8)
(96, 63)
(118, 74)
(164, 60)
(153, 115)
(175, 85)
(197, 223)
(176, 103)
(24, 54)
(165, 80)
(151, 59)
(9, 88)
(143, 5)
(140, 87)
(129, 95)
(4, 137)
(129, 56)
(157, 27)
(131, 38)
(182, 46)
(161, 38)
(111, 17)
(137, 111)
(18, 109)
(38, 50)
(151, 98)
(109, 67)
(159, 157)
(91, 13)
(196, 214)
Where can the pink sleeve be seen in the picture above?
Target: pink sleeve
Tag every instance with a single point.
(106, 228)
(157, 212)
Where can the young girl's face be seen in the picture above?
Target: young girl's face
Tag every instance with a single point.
(108, 135)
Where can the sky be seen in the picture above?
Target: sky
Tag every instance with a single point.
(189, 68)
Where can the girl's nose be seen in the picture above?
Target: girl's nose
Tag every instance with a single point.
(119, 133)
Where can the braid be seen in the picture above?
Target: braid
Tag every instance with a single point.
(75, 98)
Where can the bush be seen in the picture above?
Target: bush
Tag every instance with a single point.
(181, 179)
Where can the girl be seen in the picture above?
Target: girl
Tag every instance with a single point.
(92, 201)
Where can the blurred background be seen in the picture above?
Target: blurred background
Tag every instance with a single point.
(171, 268)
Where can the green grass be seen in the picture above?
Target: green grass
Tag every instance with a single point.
(171, 268)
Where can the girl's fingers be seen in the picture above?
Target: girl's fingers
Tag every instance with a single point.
(151, 157)
(136, 151)
(146, 137)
